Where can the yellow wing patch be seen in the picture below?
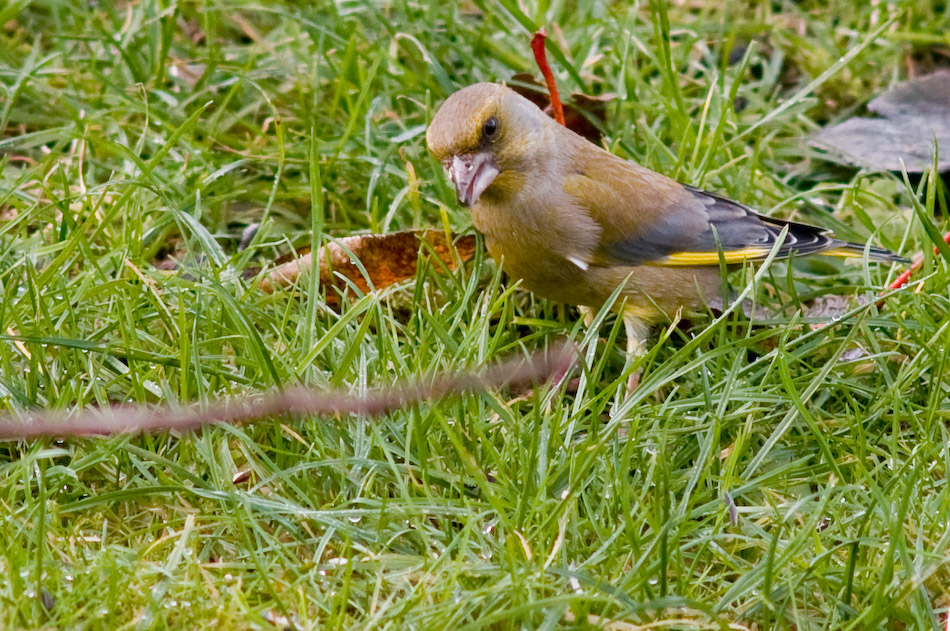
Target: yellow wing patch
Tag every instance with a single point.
(686, 259)
(745, 255)
(845, 253)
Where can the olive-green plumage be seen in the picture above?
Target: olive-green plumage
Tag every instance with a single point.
(573, 221)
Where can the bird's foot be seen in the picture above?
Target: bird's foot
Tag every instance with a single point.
(637, 331)
(633, 381)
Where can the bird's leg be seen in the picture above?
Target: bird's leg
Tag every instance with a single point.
(637, 331)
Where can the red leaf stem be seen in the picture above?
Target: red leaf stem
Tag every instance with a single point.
(540, 57)
(902, 280)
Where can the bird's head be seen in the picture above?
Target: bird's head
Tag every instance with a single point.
(486, 136)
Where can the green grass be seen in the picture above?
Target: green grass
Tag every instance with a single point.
(131, 130)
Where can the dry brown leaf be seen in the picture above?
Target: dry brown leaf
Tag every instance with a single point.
(914, 114)
(831, 308)
(686, 619)
(578, 110)
(387, 259)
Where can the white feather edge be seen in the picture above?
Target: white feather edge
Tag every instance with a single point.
(582, 265)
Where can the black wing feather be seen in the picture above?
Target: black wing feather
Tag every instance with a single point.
(730, 225)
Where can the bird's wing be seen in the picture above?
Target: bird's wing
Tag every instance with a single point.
(649, 219)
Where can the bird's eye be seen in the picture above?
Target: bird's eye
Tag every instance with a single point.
(491, 126)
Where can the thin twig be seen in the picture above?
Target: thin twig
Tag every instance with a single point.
(541, 58)
(131, 419)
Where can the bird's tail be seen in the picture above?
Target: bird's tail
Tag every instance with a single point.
(857, 251)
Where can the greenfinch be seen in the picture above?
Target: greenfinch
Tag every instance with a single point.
(574, 222)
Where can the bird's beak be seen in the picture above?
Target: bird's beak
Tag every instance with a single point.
(472, 173)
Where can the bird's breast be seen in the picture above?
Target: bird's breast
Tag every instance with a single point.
(535, 238)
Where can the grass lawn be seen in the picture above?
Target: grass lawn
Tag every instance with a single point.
(774, 476)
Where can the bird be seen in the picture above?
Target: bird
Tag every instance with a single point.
(573, 222)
